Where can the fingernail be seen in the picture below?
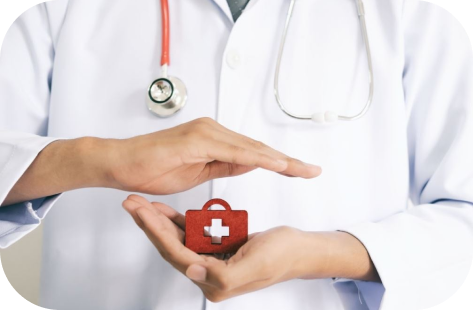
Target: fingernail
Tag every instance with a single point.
(310, 165)
(197, 273)
(315, 168)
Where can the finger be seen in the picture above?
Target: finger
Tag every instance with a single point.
(136, 201)
(132, 203)
(173, 215)
(141, 200)
(197, 273)
(227, 276)
(162, 231)
(156, 227)
(131, 206)
(287, 175)
(301, 169)
(250, 287)
(229, 153)
(295, 167)
(249, 142)
(218, 169)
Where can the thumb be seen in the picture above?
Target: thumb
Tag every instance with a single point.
(197, 273)
(218, 273)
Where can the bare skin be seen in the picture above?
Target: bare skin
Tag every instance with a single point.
(163, 162)
(277, 255)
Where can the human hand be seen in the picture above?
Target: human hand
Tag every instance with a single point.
(163, 162)
(270, 257)
(182, 157)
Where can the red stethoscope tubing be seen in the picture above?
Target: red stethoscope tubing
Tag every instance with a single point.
(165, 34)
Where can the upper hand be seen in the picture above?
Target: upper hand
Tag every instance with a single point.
(177, 159)
(163, 162)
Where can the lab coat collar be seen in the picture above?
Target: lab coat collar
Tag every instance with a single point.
(225, 9)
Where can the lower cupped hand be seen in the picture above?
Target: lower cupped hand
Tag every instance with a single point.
(262, 261)
(269, 257)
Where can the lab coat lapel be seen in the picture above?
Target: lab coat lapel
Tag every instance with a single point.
(223, 5)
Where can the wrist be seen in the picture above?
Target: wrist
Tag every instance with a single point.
(314, 256)
(62, 166)
(95, 161)
(352, 258)
(337, 255)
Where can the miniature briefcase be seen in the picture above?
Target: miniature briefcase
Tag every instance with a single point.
(216, 231)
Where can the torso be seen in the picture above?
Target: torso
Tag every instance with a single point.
(96, 258)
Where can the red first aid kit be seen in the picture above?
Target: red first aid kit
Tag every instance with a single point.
(216, 231)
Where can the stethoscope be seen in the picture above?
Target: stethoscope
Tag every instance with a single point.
(167, 95)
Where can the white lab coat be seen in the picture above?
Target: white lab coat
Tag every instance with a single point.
(82, 67)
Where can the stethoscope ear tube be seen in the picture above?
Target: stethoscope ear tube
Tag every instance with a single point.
(165, 33)
(327, 116)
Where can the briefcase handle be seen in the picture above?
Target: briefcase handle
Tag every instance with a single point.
(216, 201)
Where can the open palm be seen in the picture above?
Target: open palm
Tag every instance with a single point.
(267, 258)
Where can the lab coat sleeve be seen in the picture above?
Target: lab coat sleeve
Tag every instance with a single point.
(424, 254)
(26, 62)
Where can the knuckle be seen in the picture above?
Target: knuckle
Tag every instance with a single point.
(235, 149)
(235, 152)
(210, 295)
(215, 296)
(195, 133)
(230, 169)
(140, 224)
(258, 144)
(201, 128)
(288, 230)
(165, 255)
(204, 120)
(285, 228)
(224, 283)
(293, 161)
(191, 136)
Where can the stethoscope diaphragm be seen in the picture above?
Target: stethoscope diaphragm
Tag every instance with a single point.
(166, 96)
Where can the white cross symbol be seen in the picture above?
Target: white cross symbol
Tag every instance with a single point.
(216, 231)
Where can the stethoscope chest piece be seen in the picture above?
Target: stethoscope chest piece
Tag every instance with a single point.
(166, 96)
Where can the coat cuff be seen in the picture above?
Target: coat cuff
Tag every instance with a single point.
(17, 152)
(17, 220)
(359, 295)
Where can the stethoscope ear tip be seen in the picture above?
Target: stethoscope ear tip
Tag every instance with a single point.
(325, 117)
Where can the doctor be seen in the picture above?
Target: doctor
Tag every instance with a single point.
(79, 68)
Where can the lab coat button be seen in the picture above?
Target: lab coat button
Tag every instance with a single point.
(233, 59)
